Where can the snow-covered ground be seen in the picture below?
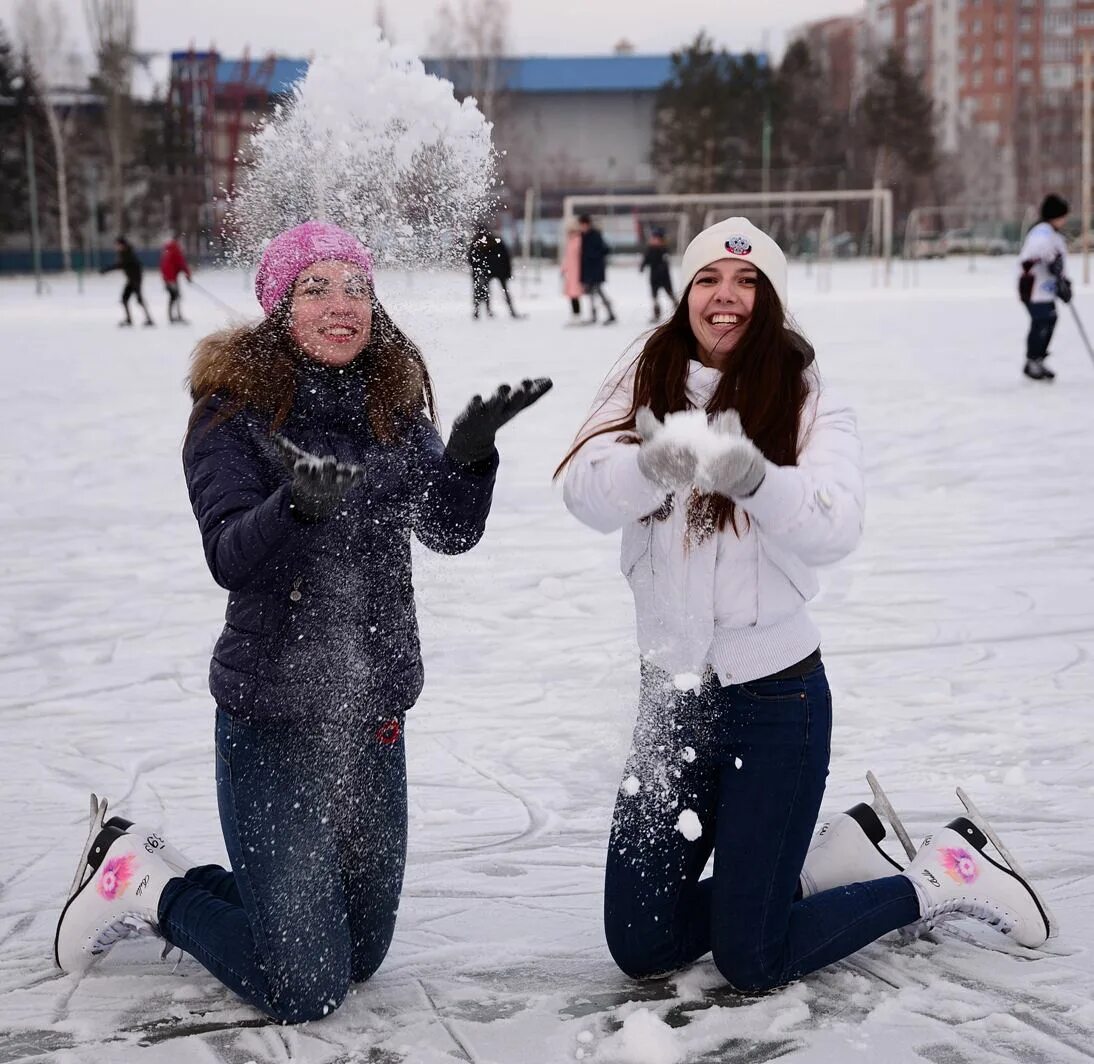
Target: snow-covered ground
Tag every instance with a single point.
(959, 641)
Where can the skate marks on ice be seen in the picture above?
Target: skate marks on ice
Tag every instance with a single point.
(963, 996)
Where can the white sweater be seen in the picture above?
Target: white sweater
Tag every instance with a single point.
(734, 603)
(1042, 245)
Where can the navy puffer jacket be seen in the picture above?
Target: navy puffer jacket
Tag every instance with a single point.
(320, 620)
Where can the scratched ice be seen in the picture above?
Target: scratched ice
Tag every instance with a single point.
(959, 641)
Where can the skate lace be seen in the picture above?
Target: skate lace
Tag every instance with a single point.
(126, 926)
(989, 914)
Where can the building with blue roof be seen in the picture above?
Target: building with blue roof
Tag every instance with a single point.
(567, 124)
(564, 124)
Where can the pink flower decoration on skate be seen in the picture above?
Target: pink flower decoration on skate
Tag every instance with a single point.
(116, 875)
(958, 864)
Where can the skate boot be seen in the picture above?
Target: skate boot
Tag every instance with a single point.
(1035, 370)
(953, 875)
(119, 899)
(847, 848)
(151, 839)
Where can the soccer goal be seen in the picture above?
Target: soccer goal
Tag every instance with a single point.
(874, 240)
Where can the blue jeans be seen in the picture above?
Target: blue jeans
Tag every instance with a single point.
(749, 761)
(314, 821)
(1042, 323)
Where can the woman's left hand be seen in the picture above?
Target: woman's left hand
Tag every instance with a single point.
(472, 437)
(737, 468)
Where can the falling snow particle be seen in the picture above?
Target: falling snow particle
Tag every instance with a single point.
(688, 825)
(737, 762)
(630, 786)
(688, 754)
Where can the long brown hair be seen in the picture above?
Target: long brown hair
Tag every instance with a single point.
(255, 366)
(764, 381)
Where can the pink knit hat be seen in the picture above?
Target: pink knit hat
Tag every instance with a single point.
(300, 247)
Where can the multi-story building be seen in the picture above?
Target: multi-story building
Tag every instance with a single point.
(834, 45)
(1005, 77)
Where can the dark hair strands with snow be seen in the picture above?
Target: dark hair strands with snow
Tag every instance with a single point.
(255, 367)
(764, 381)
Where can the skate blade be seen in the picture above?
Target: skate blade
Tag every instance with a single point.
(97, 818)
(981, 822)
(882, 803)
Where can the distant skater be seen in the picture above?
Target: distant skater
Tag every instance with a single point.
(489, 259)
(130, 265)
(172, 264)
(657, 259)
(594, 267)
(572, 288)
(1043, 261)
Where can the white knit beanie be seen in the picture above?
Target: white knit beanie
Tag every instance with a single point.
(737, 238)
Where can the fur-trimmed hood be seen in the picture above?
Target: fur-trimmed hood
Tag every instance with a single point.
(258, 367)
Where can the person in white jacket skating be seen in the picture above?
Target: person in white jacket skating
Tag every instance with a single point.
(1043, 279)
(733, 473)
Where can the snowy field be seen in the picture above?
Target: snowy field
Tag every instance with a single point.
(959, 641)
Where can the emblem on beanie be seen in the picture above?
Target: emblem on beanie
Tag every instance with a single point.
(738, 245)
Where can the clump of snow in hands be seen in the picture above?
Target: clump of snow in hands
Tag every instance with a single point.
(687, 681)
(644, 1038)
(373, 143)
(691, 427)
(689, 825)
(709, 442)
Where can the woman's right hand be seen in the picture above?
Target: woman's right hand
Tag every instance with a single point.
(669, 462)
(319, 484)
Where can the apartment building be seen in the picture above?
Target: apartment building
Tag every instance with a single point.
(1005, 77)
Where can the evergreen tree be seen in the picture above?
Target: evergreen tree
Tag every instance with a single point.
(691, 121)
(897, 121)
(809, 138)
(749, 105)
(13, 103)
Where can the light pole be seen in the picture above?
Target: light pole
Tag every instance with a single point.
(32, 193)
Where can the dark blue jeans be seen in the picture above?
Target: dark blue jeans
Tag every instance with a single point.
(1041, 326)
(746, 764)
(314, 821)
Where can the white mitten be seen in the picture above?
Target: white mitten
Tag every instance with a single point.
(666, 461)
(736, 468)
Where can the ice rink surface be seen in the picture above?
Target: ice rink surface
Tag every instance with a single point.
(958, 641)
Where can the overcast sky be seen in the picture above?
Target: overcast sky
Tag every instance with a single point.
(537, 27)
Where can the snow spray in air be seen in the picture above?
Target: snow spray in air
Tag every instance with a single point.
(373, 143)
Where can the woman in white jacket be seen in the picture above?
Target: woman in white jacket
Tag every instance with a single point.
(733, 473)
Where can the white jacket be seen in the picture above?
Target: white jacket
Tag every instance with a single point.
(1043, 244)
(735, 603)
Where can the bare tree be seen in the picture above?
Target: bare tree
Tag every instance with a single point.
(112, 25)
(379, 18)
(475, 32)
(40, 31)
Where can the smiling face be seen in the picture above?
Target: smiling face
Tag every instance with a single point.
(720, 303)
(331, 312)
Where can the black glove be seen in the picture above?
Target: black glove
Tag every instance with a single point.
(472, 437)
(1063, 289)
(318, 484)
(1025, 287)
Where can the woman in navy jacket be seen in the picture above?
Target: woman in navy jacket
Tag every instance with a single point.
(311, 457)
